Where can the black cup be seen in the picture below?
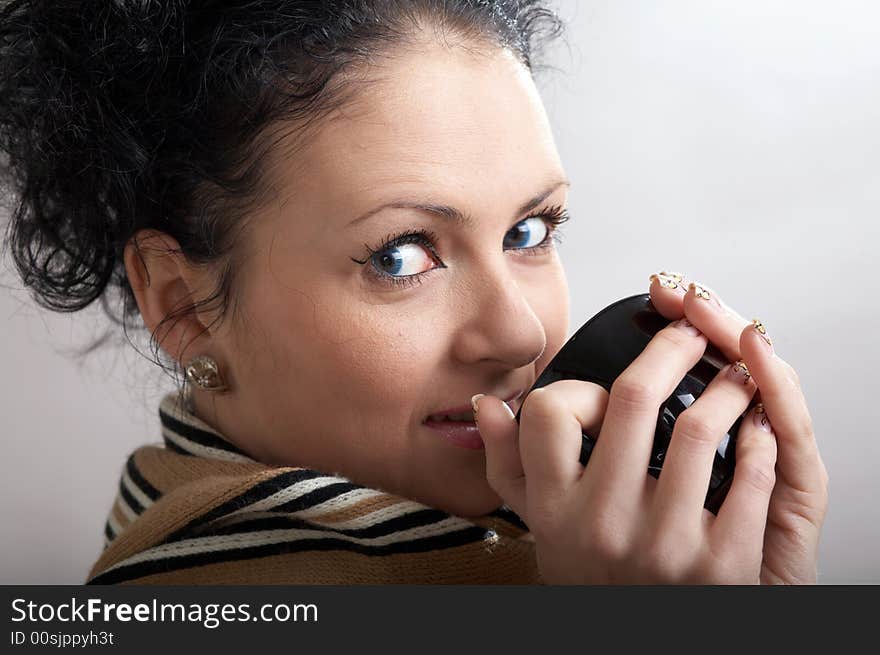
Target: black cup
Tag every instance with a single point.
(606, 344)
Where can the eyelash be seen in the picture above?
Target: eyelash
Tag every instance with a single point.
(554, 216)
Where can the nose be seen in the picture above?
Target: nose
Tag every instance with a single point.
(498, 322)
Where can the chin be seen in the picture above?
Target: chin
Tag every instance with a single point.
(470, 505)
(460, 489)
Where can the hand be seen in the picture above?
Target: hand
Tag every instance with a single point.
(800, 496)
(611, 522)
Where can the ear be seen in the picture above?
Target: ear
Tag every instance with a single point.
(164, 281)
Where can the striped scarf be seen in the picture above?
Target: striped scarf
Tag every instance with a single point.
(197, 510)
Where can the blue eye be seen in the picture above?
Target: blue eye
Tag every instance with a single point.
(403, 259)
(528, 233)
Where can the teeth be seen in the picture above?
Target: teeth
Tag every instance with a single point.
(467, 416)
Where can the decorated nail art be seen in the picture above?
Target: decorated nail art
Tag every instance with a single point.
(699, 291)
(667, 279)
(761, 419)
(759, 326)
(739, 372)
(703, 292)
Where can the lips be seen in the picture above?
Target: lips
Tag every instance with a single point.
(465, 413)
(456, 425)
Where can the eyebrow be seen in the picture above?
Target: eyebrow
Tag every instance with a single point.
(456, 215)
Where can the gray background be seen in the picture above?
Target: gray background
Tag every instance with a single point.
(734, 141)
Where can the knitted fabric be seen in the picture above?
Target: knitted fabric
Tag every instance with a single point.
(198, 510)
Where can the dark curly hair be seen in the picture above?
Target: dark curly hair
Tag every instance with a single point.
(121, 115)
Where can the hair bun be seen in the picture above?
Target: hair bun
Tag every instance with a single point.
(78, 129)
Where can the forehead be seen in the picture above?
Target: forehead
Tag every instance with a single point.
(434, 118)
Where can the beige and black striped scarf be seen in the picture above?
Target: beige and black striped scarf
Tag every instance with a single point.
(197, 510)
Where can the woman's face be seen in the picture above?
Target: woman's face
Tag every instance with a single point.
(336, 365)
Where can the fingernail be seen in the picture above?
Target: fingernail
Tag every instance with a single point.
(739, 372)
(703, 292)
(474, 400)
(668, 280)
(760, 418)
(687, 326)
(762, 331)
(509, 411)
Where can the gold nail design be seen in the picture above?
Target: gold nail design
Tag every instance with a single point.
(761, 330)
(699, 291)
(668, 280)
(741, 368)
(759, 411)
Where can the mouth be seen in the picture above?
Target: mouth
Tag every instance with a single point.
(465, 414)
(457, 425)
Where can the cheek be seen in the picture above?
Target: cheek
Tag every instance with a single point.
(371, 357)
(334, 354)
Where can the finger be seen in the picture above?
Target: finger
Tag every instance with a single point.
(667, 289)
(742, 519)
(619, 461)
(552, 421)
(504, 470)
(687, 468)
(799, 462)
(714, 318)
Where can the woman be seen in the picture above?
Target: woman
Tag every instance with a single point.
(338, 219)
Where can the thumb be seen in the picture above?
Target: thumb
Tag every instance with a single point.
(500, 433)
